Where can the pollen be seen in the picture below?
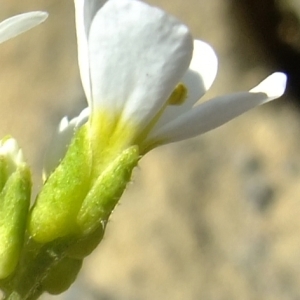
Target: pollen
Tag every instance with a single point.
(179, 95)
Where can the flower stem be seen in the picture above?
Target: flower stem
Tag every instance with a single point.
(36, 263)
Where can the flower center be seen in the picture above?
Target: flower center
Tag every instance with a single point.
(178, 97)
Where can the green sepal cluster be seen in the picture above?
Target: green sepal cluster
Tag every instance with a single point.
(75, 201)
(70, 214)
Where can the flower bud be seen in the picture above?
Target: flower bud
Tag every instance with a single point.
(15, 186)
(62, 275)
(85, 246)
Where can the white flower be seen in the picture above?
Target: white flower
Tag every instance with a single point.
(142, 74)
(16, 25)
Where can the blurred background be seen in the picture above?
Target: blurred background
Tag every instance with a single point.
(212, 218)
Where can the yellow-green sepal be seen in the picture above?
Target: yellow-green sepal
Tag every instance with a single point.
(55, 211)
(107, 190)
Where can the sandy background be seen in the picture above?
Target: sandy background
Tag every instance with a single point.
(212, 218)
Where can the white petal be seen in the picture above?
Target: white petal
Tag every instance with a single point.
(198, 79)
(85, 10)
(137, 55)
(273, 86)
(61, 141)
(14, 26)
(220, 110)
(202, 71)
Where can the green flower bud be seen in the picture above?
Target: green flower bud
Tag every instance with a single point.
(62, 275)
(15, 186)
(84, 246)
(10, 157)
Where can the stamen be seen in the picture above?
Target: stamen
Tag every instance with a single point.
(179, 95)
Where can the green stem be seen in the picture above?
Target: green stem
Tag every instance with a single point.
(51, 267)
(36, 263)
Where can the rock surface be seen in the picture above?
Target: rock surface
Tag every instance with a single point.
(215, 217)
